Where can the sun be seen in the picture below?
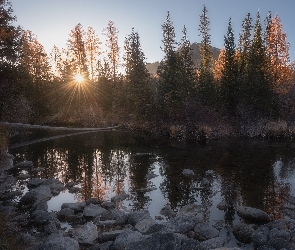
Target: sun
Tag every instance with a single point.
(79, 78)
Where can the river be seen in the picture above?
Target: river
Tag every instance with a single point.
(249, 172)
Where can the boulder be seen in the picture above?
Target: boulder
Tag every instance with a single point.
(59, 243)
(148, 226)
(190, 244)
(119, 197)
(222, 206)
(190, 210)
(167, 211)
(85, 234)
(35, 182)
(114, 214)
(24, 164)
(188, 172)
(92, 211)
(126, 238)
(108, 205)
(254, 215)
(163, 241)
(212, 243)
(205, 232)
(136, 216)
(243, 232)
(109, 236)
(182, 224)
(76, 206)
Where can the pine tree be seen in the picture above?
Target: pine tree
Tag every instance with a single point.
(206, 78)
(278, 53)
(33, 58)
(229, 74)
(111, 33)
(168, 72)
(92, 45)
(76, 51)
(187, 67)
(56, 62)
(219, 65)
(137, 76)
(259, 89)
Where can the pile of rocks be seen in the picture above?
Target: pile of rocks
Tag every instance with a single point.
(101, 225)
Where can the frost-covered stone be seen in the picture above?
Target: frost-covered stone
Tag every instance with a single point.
(182, 224)
(92, 211)
(205, 232)
(85, 234)
(126, 238)
(243, 232)
(77, 206)
(136, 216)
(212, 243)
(253, 215)
(119, 197)
(167, 211)
(59, 243)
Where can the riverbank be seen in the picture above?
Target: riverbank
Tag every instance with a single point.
(96, 224)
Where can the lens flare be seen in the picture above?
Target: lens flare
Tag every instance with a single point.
(79, 78)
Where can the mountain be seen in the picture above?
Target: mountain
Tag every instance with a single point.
(152, 67)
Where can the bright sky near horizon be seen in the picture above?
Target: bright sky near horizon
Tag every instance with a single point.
(52, 20)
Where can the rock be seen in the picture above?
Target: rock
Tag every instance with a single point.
(104, 246)
(38, 169)
(166, 241)
(77, 207)
(114, 214)
(40, 217)
(167, 211)
(212, 243)
(23, 176)
(109, 236)
(65, 214)
(119, 197)
(36, 196)
(108, 205)
(260, 236)
(190, 244)
(243, 233)
(60, 243)
(148, 226)
(92, 211)
(74, 190)
(254, 215)
(150, 176)
(190, 209)
(188, 172)
(94, 201)
(205, 232)
(104, 225)
(126, 238)
(205, 183)
(35, 182)
(136, 216)
(85, 234)
(10, 195)
(55, 185)
(24, 164)
(182, 224)
(222, 206)
(146, 190)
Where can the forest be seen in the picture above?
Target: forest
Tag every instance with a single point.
(249, 84)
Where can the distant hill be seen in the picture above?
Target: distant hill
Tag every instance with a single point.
(152, 67)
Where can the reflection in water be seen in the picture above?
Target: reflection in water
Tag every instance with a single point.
(253, 173)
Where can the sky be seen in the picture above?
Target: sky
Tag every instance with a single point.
(52, 20)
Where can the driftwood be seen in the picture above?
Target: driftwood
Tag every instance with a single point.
(79, 131)
(30, 126)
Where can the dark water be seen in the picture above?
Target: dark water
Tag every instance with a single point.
(253, 173)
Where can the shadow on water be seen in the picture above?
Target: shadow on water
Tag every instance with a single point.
(253, 173)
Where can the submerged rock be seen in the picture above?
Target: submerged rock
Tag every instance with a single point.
(243, 232)
(59, 243)
(188, 172)
(205, 232)
(167, 211)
